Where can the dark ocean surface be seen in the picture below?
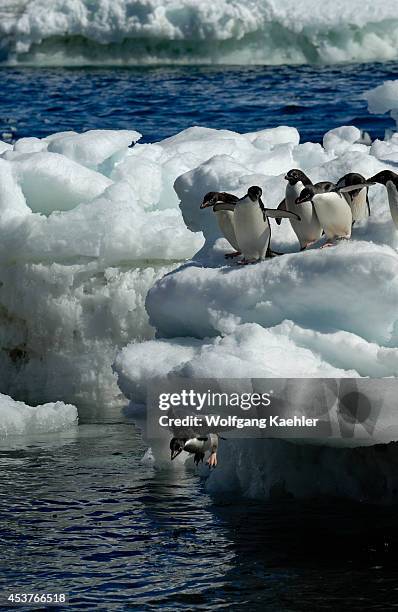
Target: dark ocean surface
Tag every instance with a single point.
(159, 102)
(81, 514)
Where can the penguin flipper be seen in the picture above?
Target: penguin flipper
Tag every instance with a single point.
(356, 187)
(274, 213)
(367, 201)
(282, 206)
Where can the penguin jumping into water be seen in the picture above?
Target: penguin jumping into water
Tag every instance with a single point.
(332, 209)
(358, 197)
(389, 179)
(196, 446)
(223, 205)
(308, 230)
(252, 227)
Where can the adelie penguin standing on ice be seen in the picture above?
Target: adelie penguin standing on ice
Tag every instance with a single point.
(308, 230)
(223, 205)
(196, 446)
(357, 197)
(332, 209)
(389, 179)
(252, 227)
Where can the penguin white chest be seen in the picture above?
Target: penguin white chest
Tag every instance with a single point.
(252, 231)
(334, 214)
(225, 220)
(392, 192)
(308, 229)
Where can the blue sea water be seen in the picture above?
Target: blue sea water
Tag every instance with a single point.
(162, 101)
(80, 513)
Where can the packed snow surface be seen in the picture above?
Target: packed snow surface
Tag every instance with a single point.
(17, 418)
(78, 32)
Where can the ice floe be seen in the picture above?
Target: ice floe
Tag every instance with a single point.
(103, 246)
(17, 418)
(319, 313)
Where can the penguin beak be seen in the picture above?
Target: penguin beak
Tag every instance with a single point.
(286, 177)
(207, 204)
(175, 453)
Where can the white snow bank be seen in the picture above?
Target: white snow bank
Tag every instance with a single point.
(318, 290)
(51, 182)
(17, 418)
(249, 351)
(187, 31)
(78, 252)
(92, 148)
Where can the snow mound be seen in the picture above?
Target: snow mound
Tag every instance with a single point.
(316, 290)
(94, 147)
(79, 249)
(17, 418)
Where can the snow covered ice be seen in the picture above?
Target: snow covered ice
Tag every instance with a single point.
(79, 32)
(79, 251)
(17, 418)
(106, 257)
(321, 313)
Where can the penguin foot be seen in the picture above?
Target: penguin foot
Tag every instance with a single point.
(308, 245)
(212, 460)
(232, 255)
(328, 244)
(246, 262)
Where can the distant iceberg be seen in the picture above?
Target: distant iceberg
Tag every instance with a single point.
(126, 32)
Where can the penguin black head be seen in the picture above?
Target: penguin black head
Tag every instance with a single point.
(384, 176)
(352, 179)
(295, 175)
(176, 447)
(218, 197)
(312, 190)
(254, 193)
(209, 199)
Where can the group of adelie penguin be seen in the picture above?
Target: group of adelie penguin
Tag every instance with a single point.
(313, 210)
